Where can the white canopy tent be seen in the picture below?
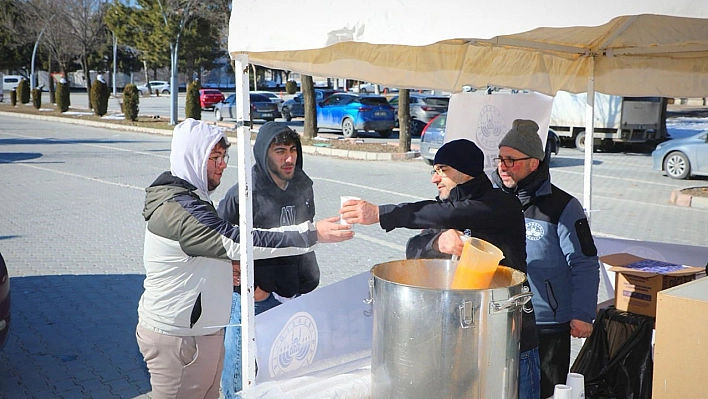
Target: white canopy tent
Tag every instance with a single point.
(630, 48)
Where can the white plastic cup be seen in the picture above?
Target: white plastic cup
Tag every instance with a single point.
(342, 200)
(577, 382)
(562, 391)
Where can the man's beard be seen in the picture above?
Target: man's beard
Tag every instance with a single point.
(212, 184)
(274, 168)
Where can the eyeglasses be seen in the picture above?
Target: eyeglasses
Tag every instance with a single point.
(439, 171)
(219, 160)
(509, 162)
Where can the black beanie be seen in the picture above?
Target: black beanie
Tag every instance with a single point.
(462, 155)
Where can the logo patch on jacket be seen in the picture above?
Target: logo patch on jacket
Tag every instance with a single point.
(287, 215)
(534, 231)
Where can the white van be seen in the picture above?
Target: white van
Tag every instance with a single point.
(10, 82)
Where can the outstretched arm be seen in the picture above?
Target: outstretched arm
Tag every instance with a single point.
(330, 230)
(360, 212)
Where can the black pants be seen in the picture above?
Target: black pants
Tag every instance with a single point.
(554, 351)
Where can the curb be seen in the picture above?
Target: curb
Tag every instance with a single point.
(335, 152)
(683, 199)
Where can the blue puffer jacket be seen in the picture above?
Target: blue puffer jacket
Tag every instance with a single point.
(563, 267)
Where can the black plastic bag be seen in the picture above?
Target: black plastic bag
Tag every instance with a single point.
(616, 359)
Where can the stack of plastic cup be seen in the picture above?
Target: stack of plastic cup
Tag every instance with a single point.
(562, 392)
(577, 382)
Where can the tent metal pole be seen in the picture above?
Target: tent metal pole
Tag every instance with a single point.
(589, 139)
(248, 329)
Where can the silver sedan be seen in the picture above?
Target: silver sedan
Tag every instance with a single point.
(682, 158)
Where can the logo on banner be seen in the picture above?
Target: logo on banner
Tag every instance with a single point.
(534, 231)
(295, 346)
(490, 128)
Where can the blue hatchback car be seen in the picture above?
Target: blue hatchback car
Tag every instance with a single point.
(352, 112)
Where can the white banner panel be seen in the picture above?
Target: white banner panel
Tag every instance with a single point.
(486, 118)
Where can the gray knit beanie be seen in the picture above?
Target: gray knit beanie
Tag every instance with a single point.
(523, 136)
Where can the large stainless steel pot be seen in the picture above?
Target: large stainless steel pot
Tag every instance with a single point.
(433, 342)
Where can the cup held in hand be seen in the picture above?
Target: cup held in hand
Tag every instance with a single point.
(342, 200)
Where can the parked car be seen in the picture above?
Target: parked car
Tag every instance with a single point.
(364, 88)
(272, 97)
(433, 137)
(209, 97)
(351, 112)
(10, 82)
(295, 107)
(684, 157)
(261, 108)
(4, 302)
(159, 86)
(423, 109)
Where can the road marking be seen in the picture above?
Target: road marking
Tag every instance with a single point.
(384, 243)
(380, 190)
(624, 179)
(103, 146)
(72, 175)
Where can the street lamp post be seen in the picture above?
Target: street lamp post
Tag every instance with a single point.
(115, 52)
(34, 52)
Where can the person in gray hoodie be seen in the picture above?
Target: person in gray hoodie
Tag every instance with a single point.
(187, 256)
(282, 196)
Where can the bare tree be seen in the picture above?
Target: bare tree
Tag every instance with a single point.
(308, 95)
(176, 15)
(404, 117)
(86, 27)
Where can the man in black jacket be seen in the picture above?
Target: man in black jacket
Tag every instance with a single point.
(282, 196)
(466, 204)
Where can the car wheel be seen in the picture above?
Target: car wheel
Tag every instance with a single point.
(385, 133)
(348, 129)
(285, 112)
(165, 92)
(416, 127)
(428, 161)
(217, 115)
(677, 166)
(580, 141)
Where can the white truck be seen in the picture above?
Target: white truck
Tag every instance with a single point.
(618, 120)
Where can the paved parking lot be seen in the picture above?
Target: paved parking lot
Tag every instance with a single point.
(72, 237)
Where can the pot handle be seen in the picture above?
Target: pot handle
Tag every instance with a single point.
(370, 299)
(510, 304)
(466, 310)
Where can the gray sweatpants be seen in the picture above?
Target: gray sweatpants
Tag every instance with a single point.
(182, 367)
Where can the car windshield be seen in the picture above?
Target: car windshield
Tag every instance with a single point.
(439, 122)
(373, 101)
(259, 98)
(437, 101)
(211, 92)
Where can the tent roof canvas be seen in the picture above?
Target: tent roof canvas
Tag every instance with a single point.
(637, 48)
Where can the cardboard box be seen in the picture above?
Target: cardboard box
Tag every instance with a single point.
(681, 346)
(639, 280)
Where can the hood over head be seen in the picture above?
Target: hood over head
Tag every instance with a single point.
(265, 137)
(192, 142)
